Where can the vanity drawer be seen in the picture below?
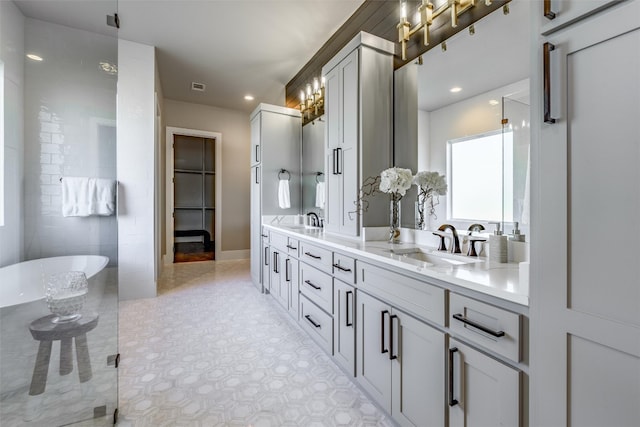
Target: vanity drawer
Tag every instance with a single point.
(415, 296)
(494, 328)
(292, 246)
(278, 241)
(344, 268)
(317, 286)
(316, 256)
(317, 323)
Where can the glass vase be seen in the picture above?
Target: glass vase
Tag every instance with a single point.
(421, 224)
(65, 295)
(394, 221)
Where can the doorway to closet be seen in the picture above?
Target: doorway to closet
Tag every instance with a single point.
(194, 198)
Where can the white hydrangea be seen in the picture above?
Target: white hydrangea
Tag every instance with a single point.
(396, 180)
(431, 182)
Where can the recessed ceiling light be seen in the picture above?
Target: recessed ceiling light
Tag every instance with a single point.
(455, 89)
(249, 97)
(493, 102)
(34, 57)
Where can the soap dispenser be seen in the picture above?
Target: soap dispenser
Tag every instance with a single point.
(516, 236)
(498, 245)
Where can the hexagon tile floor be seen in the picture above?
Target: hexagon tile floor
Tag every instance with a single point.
(211, 350)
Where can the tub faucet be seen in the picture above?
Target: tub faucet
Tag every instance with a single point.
(456, 241)
(315, 221)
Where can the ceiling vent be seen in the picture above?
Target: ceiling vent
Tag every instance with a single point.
(200, 87)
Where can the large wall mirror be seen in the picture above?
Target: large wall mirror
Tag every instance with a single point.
(463, 111)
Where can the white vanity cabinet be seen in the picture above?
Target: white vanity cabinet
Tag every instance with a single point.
(358, 137)
(284, 283)
(400, 362)
(585, 317)
(481, 390)
(276, 134)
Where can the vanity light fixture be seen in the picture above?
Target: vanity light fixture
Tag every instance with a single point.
(427, 12)
(34, 57)
(312, 101)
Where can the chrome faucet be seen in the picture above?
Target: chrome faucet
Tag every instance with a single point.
(456, 241)
(315, 221)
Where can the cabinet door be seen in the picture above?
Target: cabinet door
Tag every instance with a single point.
(333, 109)
(372, 348)
(556, 14)
(585, 322)
(255, 140)
(277, 278)
(350, 119)
(417, 351)
(333, 200)
(266, 268)
(256, 229)
(344, 330)
(291, 286)
(481, 390)
(350, 188)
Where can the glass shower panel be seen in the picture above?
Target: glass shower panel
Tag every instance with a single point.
(58, 259)
(516, 170)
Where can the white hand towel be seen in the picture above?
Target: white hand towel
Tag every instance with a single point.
(320, 195)
(284, 198)
(88, 196)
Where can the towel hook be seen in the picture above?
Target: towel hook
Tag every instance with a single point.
(283, 171)
(318, 175)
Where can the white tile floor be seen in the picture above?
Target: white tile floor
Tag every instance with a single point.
(211, 350)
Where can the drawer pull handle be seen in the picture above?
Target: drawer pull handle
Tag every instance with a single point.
(312, 255)
(291, 247)
(341, 268)
(382, 349)
(452, 401)
(477, 325)
(317, 288)
(391, 355)
(308, 317)
(349, 307)
(548, 13)
(264, 235)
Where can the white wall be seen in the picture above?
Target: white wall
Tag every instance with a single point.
(12, 55)
(235, 174)
(69, 113)
(136, 174)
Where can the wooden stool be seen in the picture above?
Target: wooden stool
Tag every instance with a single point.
(45, 331)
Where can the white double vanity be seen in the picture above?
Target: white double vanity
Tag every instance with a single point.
(442, 339)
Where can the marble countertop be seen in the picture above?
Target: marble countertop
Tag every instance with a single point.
(491, 278)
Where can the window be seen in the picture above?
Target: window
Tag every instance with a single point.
(477, 167)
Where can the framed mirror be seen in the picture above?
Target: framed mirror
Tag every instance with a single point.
(462, 110)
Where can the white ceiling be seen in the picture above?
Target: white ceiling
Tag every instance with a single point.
(234, 47)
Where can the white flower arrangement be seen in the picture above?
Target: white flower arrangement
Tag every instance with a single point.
(396, 181)
(430, 186)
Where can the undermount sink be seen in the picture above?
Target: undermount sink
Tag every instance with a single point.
(435, 257)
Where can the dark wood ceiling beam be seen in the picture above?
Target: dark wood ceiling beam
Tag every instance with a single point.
(381, 17)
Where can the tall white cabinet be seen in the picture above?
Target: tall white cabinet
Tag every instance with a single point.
(585, 259)
(358, 137)
(276, 134)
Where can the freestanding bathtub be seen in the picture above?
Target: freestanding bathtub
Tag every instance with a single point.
(24, 282)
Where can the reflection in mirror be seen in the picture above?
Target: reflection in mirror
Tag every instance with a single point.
(312, 166)
(478, 86)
